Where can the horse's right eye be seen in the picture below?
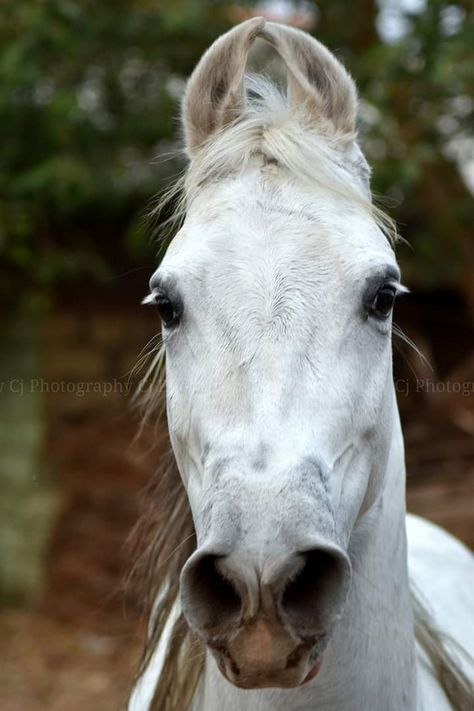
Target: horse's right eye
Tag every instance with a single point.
(383, 302)
(166, 310)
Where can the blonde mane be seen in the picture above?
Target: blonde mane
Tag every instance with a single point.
(165, 537)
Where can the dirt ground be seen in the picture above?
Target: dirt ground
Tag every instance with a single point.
(77, 648)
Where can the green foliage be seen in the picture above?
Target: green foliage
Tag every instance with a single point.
(89, 96)
(422, 89)
(88, 99)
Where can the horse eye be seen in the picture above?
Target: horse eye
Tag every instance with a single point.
(166, 311)
(383, 302)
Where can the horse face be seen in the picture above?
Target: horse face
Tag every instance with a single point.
(276, 299)
(279, 399)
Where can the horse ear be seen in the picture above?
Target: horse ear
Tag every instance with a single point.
(215, 95)
(317, 81)
(320, 90)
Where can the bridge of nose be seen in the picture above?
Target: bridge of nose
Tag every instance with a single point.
(260, 578)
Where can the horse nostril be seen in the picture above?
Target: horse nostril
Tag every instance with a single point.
(209, 599)
(315, 597)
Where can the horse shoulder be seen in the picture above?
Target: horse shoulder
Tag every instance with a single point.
(442, 572)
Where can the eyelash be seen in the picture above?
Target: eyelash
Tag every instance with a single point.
(168, 310)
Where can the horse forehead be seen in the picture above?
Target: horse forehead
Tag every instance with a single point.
(284, 227)
(284, 243)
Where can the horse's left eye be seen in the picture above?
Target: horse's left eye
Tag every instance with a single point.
(382, 305)
(166, 310)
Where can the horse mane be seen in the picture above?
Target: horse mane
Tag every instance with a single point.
(444, 655)
(173, 660)
(162, 542)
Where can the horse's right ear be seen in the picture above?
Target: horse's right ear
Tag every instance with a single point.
(214, 95)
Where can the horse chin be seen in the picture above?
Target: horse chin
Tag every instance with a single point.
(261, 677)
(276, 681)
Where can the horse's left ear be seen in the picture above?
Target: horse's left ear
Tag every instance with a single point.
(319, 87)
(215, 95)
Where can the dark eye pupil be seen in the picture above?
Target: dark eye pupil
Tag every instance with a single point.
(384, 301)
(166, 311)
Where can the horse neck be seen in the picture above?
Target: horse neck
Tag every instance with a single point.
(370, 663)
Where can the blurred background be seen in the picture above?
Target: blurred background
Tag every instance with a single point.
(89, 103)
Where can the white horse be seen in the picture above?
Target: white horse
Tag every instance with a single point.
(276, 298)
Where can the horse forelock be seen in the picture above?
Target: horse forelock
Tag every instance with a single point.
(278, 133)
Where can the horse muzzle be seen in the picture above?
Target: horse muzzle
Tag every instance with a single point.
(266, 617)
